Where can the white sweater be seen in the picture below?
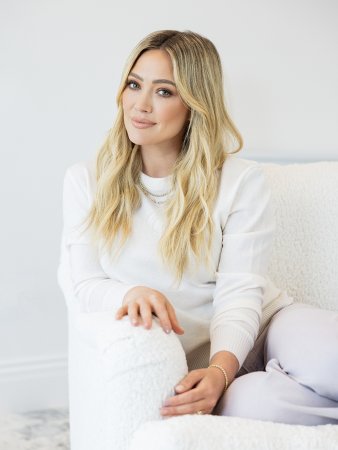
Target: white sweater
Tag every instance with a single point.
(225, 305)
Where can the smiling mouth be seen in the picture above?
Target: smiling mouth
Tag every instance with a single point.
(142, 124)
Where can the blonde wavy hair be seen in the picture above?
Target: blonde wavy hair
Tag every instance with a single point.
(208, 139)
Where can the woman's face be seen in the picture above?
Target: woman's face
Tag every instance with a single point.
(154, 114)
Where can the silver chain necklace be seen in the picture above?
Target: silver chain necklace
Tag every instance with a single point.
(149, 194)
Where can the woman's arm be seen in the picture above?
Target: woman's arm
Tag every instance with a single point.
(241, 275)
(229, 362)
(80, 270)
(238, 296)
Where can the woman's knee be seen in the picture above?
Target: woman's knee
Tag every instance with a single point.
(304, 340)
(273, 396)
(248, 396)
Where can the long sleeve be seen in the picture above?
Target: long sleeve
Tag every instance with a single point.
(80, 273)
(241, 274)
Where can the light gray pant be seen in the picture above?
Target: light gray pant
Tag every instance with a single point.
(291, 375)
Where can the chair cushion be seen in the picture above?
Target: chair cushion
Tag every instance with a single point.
(223, 433)
(304, 260)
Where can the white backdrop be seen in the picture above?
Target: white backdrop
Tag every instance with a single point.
(60, 66)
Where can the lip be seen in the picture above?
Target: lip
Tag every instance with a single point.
(140, 123)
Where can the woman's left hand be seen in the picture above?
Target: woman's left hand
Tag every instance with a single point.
(202, 389)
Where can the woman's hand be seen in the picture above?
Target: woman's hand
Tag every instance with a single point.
(201, 390)
(141, 302)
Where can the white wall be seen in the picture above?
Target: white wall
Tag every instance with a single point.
(60, 66)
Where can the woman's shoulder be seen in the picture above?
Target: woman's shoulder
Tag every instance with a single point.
(236, 169)
(81, 168)
(81, 177)
(238, 165)
(81, 172)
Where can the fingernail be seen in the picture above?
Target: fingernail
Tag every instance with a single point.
(167, 330)
(179, 387)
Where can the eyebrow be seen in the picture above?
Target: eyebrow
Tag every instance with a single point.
(162, 80)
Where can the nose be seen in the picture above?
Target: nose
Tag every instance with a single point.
(143, 102)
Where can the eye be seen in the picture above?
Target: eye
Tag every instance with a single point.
(164, 93)
(132, 84)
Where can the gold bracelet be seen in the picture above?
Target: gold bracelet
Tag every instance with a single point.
(224, 373)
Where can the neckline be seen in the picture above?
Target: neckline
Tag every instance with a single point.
(157, 185)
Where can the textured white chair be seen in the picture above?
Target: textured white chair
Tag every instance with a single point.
(304, 262)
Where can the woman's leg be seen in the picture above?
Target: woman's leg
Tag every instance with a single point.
(300, 384)
(137, 371)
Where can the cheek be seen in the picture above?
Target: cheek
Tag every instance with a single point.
(175, 115)
(181, 119)
(126, 100)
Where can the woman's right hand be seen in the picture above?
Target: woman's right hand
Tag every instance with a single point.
(141, 302)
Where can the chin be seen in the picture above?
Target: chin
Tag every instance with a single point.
(139, 140)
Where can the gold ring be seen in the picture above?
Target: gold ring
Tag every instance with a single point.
(200, 412)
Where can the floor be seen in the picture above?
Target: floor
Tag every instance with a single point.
(36, 430)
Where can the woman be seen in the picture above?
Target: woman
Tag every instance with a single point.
(179, 231)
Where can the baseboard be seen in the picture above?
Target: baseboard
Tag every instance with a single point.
(28, 384)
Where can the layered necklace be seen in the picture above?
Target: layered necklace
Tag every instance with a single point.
(158, 199)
